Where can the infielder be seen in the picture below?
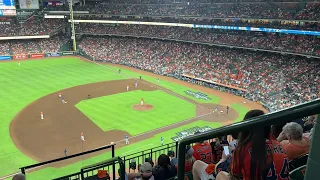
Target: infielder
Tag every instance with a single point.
(63, 101)
(127, 139)
(127, 87)
(227, 109)
(161, 141)
(142, 101)
(136, 84)
(41, 115)
(59, 95)
(65, 152)
(216, 109)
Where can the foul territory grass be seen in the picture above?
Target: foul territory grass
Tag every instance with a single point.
(113, 111)
(21, 85)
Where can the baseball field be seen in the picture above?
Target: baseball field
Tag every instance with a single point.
(97, 104)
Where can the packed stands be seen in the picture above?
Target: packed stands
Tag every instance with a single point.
(269, 41)
(260, 10)
(270, 78)
(4, 48)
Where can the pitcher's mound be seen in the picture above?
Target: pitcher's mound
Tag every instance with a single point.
(145, 107)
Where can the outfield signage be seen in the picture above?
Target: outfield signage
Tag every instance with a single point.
(36, 55)
(198, 95)
(23, 56)
(53, 54)
(189, 132)
(5, 57)
(67, 53)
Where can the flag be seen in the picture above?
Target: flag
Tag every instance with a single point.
(82, 137)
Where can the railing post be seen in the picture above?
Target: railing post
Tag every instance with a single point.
(177, 148)
(151, 154)
(113, 165)
(23, 171)
(124, 162)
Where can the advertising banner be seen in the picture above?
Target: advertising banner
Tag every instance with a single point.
(29, 4)
(53, 54)
(23, 56)
(67, 53)
(5, 57)
(1, 12)
(36, 55)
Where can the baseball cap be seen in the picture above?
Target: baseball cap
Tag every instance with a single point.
(146, 167)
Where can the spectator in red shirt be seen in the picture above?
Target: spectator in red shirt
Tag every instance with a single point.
(202, 151)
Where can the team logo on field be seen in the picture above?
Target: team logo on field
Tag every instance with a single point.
(198, 95)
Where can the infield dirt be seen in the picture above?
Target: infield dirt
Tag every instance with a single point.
(46, 139)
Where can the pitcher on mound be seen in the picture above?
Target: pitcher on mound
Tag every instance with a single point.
(142, 101)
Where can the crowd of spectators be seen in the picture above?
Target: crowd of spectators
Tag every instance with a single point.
(260, 10)
(270, 41)
(52, 44)
(256, 153)
(280, 81)
(31, 27)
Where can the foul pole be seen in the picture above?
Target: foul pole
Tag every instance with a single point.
(73, 34)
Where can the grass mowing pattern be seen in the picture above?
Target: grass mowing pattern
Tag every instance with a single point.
(34, 79)
(113, 111)
(49, 173)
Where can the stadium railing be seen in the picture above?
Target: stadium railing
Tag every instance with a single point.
(63, 159)
(295, 112)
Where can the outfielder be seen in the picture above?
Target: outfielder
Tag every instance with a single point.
(127, 87)
(127, 139)
(19, 63)
(41, 115)
(142, 101)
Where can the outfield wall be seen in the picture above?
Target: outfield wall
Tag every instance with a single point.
(36, 55)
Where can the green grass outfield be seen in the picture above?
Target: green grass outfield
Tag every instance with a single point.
(34, 79)
(113, 111)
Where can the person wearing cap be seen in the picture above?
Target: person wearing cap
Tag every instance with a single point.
(145, 173)
(189, 160)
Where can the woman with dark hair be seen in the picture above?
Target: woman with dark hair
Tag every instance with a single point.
(164, 170)
(256, 156)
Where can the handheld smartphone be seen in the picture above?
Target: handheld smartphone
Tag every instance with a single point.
(226, 150)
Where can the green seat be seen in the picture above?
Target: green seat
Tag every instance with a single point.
(298, 173)
(298, 162)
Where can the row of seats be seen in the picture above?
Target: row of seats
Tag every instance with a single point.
(278, 80)
(269, 41)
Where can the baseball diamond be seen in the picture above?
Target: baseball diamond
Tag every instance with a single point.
(107, 116)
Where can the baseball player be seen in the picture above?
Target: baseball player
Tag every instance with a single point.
(65, 152)
(127, 87)
(63, 101)
(127, 139)
(19, 63)
(59, 95)
(216, 109)
(140, 78)
(142, 101)
(227, 109)
(158, 80)
(41, 115)
(119, 71)
(161, 141)
(136, 84)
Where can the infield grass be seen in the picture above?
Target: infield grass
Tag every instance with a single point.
(21, 85)
(113, 111)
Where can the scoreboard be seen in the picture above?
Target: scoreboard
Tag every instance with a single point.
(7, 8)
(7, 4)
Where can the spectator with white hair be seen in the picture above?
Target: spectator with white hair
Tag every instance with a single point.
(293, 141)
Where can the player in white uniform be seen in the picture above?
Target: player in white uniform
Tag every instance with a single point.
(59, 95)
(142, 102)
(136, 84)
(41, 115)
(63, 101)
(127, 139)
(127, 87)
(19, 63)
